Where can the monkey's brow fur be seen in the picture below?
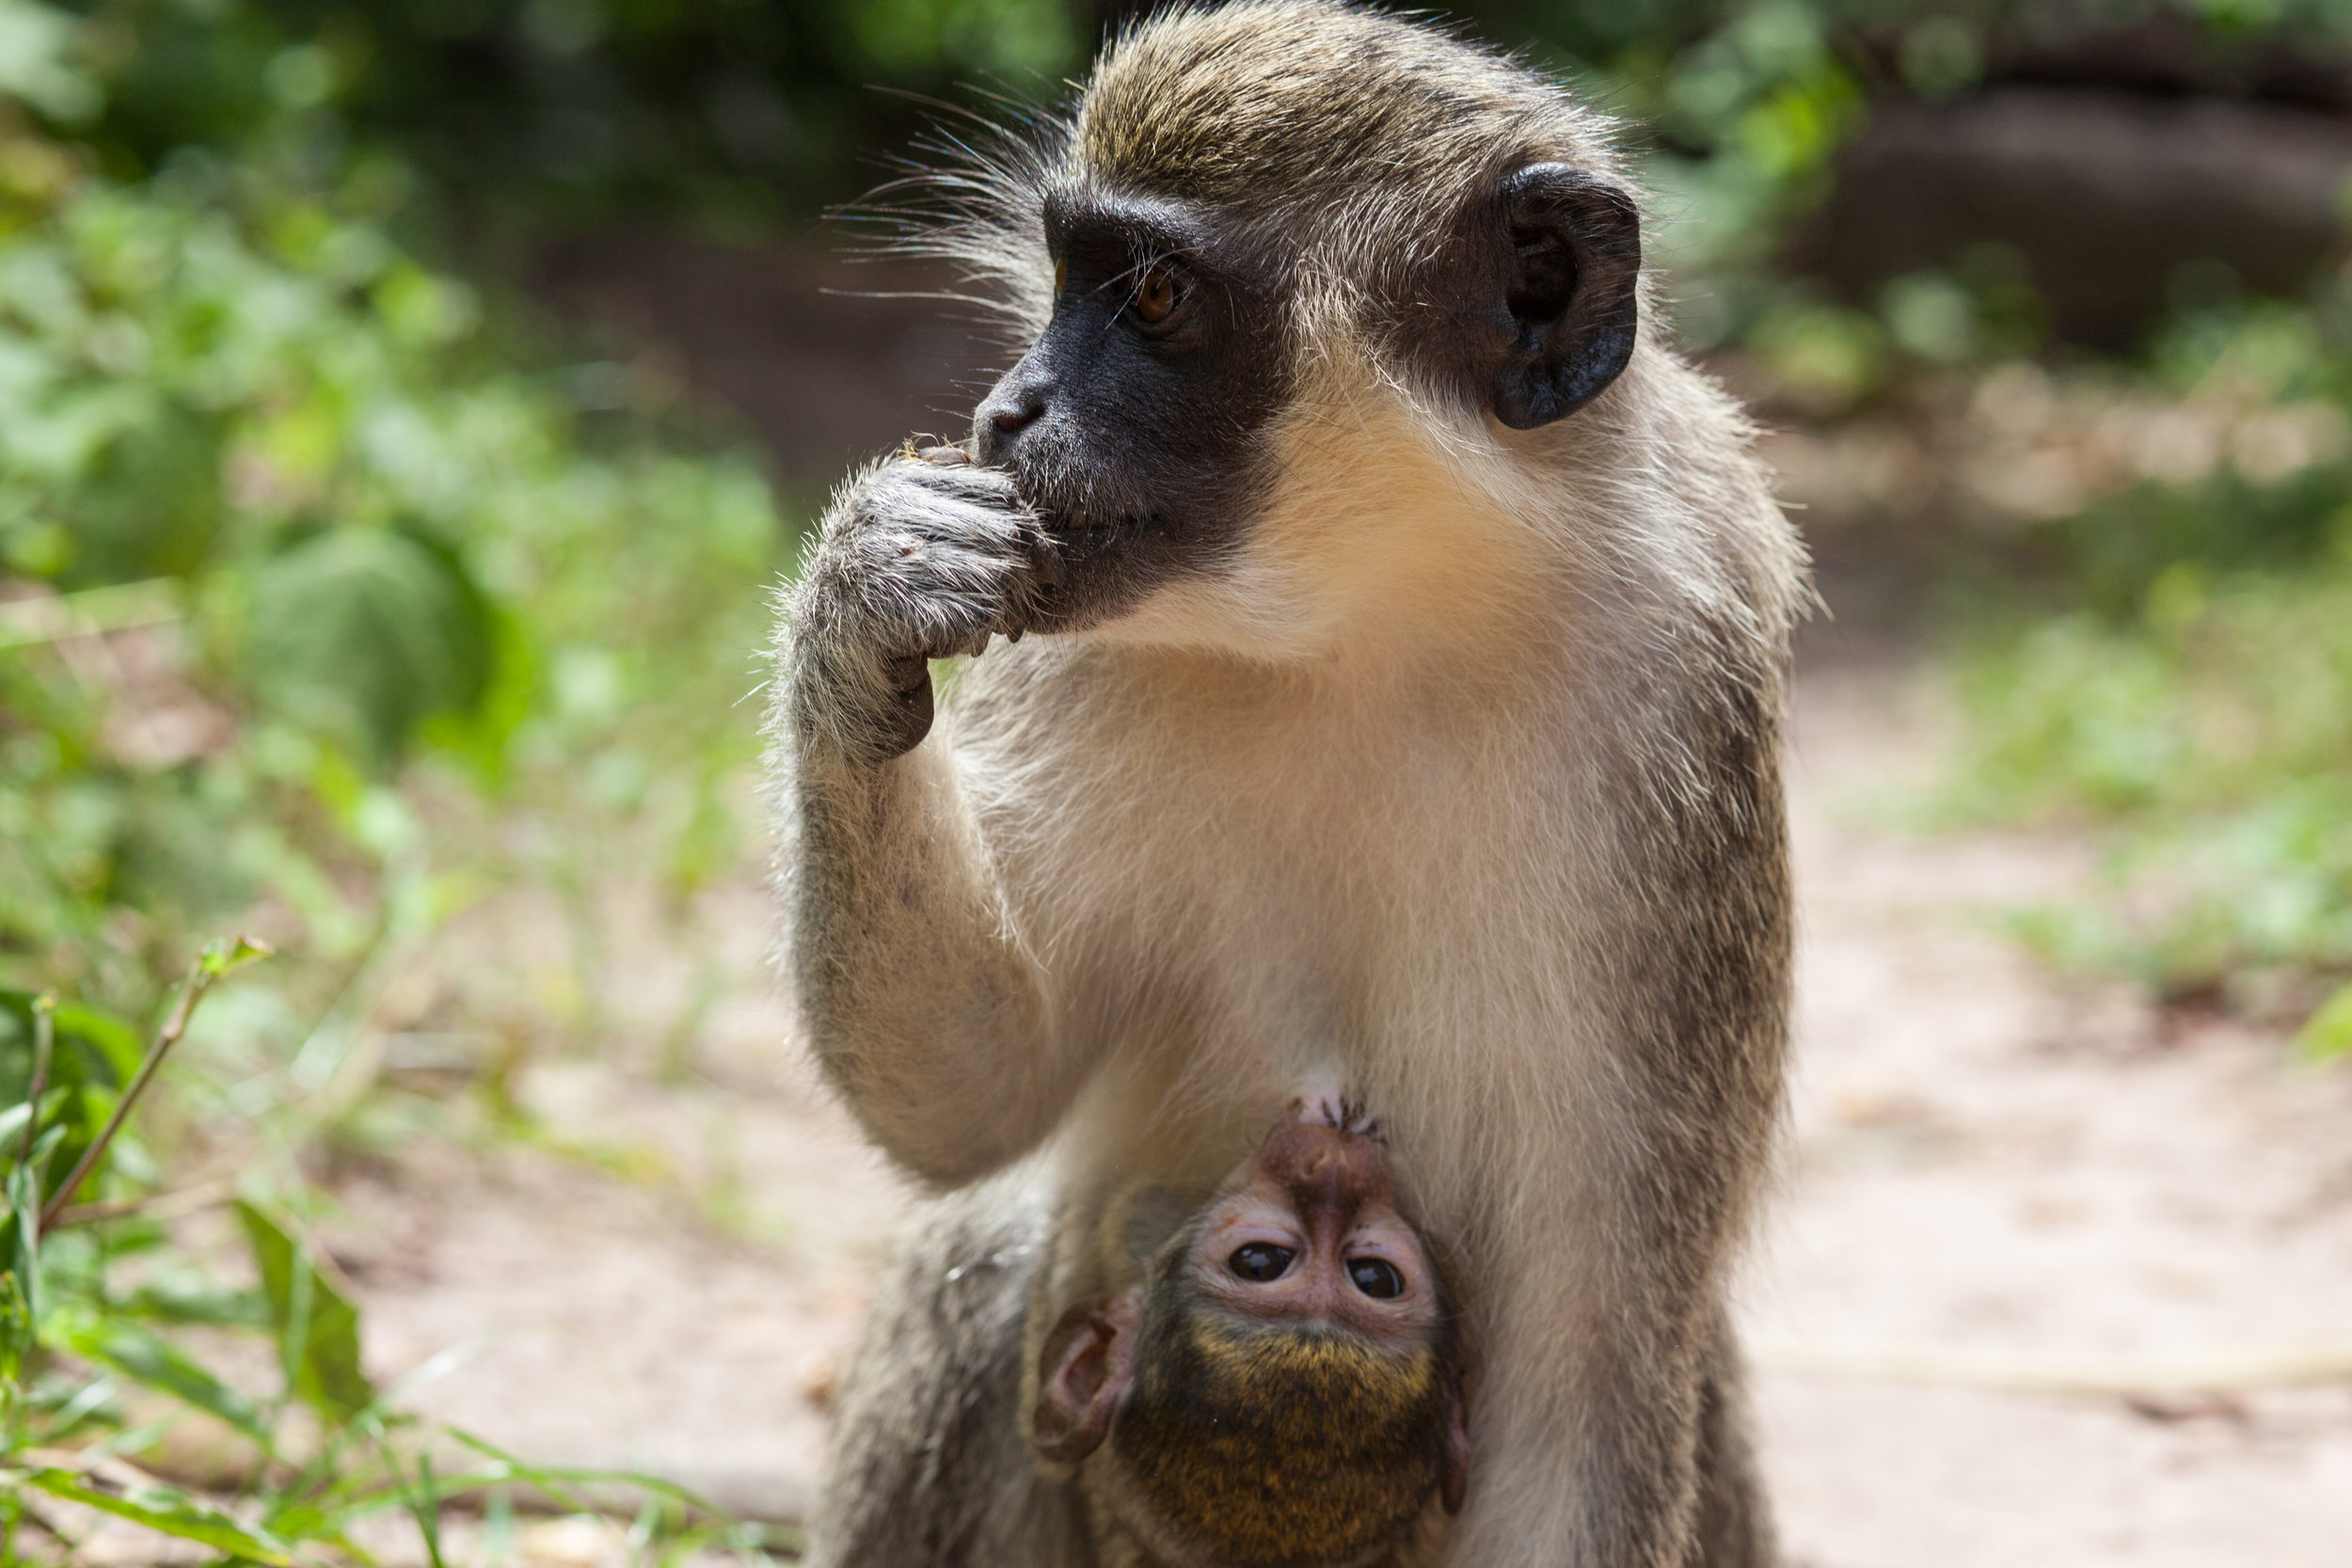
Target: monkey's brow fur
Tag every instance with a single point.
(1346, 131)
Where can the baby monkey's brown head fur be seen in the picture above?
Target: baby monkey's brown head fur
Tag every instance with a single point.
(1283, 1391)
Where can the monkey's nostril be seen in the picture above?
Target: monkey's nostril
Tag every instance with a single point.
(1005, 415)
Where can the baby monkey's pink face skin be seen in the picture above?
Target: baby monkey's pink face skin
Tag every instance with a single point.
(1309, 1230)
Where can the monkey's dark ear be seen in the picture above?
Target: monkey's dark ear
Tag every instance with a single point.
(1570, 272)
(1089, 1361)
(1453, 1479)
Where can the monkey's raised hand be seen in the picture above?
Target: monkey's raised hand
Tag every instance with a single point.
(919, 557)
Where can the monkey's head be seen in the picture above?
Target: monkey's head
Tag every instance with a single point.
(1281, 1392)
(1253, 219)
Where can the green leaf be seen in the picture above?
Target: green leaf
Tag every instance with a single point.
(557, 1479)
(225, 958)
(103, 1050)
(16, 1333)
(169, 1511)
(362, 634)
(148, 501)
(20, 1302)
(183, 1296)
(2328, 1033)
(318, 1329)
(114, 1039)
(148, 1358)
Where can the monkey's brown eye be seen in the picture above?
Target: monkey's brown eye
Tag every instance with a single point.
(1061, 276)
(1157, 295)
(1376, 1277)
(1261, 1262)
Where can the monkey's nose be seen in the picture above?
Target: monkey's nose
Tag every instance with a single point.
(1008, 412)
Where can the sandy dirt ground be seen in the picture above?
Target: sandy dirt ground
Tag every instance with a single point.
(2050, 1279)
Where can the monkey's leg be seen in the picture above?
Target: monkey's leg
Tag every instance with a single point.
(1586, 1457)
(1606, 1424)
(1735, 1519)
(929, 1466)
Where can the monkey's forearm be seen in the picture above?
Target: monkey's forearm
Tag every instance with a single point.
(920, 1005)
(918, 1002)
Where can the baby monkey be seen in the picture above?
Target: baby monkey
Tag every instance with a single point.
(1282, 1389)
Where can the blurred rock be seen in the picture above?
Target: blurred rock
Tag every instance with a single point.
(2106, 195)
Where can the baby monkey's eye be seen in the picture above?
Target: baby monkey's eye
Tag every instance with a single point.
(1157, 294)
(1261, 1262)
(1376, 1277)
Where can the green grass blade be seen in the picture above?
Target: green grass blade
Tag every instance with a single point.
(318, 1328)
(147, 1359)
(171, 1512)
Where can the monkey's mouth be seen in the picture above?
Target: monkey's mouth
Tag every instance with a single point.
(1085, 543)
(1097, 565)
(1096, 530)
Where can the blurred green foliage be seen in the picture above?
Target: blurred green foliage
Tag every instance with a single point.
(327, 604)
(2195, 696)
(737, 109)
(232, 408)
(97, 1296)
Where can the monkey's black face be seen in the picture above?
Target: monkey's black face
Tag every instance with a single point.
(1132, 425)
(1135, 424)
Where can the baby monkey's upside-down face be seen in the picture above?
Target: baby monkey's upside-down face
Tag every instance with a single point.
(1282, 1389)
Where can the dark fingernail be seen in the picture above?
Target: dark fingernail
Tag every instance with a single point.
(945, 457)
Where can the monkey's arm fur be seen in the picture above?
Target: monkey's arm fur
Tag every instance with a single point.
(930, 1018)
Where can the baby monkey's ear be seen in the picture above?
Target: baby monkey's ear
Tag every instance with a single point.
(1089, 1361)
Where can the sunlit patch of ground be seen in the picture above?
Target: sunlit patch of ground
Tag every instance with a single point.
(2052, 1279)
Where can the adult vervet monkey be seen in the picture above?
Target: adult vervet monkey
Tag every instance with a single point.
(1409, 712)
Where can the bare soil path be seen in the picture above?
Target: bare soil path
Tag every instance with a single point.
(2054, 1279)
(2050, 1281)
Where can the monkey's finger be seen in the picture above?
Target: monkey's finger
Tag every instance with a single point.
(1044, 560)
(944, 457)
